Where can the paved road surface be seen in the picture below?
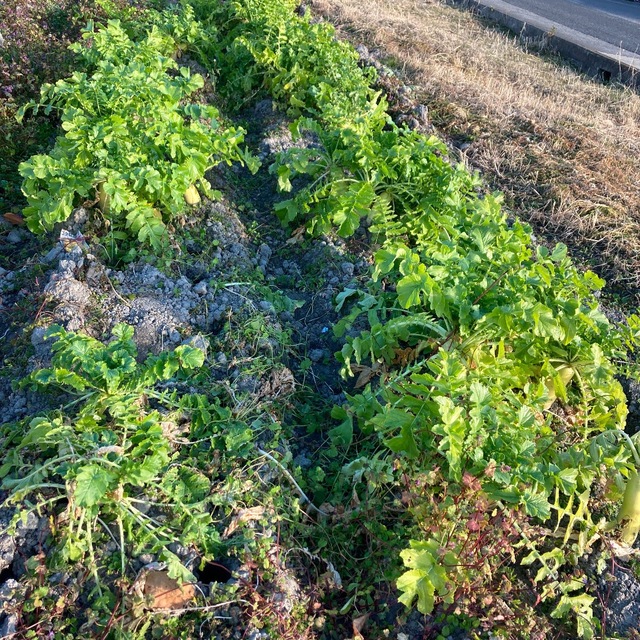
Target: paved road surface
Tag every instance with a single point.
(614, 21)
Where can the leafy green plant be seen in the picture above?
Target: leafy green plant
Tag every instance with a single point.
(484, 362)
(102, 463)
(131, 141)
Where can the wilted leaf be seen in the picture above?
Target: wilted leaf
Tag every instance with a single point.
(165, 592)
(14, 218)
(358, 626)
(244, 515)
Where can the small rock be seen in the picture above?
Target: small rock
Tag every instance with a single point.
(422, 113)
(174, 336)
(302, 461)
(9, 627)
(53, 254)
(60, 577)
(201, 288)
(8, 590)
(315, 355)
(183, 283)
(14, 237)
(266, 306)
(7, 551)
(37, 336)
(146, 558)
(347, 268)
(198, 342)
(80, 216)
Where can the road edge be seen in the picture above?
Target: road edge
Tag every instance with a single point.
(595, 57)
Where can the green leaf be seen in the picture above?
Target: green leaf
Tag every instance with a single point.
(425, 578)
(353, 204)
(392, 420)
(342, 435)
(559, 253)
(190, 357)
(567, 480)
(92, 483)
(535, 504)
(452, 430)
(413, 287)
(581, 607)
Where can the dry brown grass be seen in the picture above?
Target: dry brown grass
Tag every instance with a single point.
(565, 150)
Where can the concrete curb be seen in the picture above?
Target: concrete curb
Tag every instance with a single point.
(595, 57)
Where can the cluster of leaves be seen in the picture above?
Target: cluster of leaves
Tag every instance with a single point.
(104, 458)
(133, 460)
(255, 45)
(36, 35)
(130, 140)
(493, 363)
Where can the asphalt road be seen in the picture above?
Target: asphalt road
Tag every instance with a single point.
(614, 21)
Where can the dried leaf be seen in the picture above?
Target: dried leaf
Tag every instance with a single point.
(297, 236)
(244, 515)
(358, 626)
(14, 218)
(165, 592)
(405, 356)
(366, 373)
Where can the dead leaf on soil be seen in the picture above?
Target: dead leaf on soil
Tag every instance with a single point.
(14, 218)
(244, 515)
(358, 626)
(297, 236)
(281, 383)
(165, 592)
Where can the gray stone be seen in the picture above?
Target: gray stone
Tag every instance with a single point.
(53, 254)
(623, 613)
(9, 626)
(198, 342)
(347, 268)
(315, 355)
(200, 288)
(14, 237)
(8, 590)
(80, 216)
(302, 461)
(7, 551)
(37, 336)
(69, 290)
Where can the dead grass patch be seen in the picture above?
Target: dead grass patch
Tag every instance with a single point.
(565, 150)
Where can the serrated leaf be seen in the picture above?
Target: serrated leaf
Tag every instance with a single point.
(92, 483)
(535, 504)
